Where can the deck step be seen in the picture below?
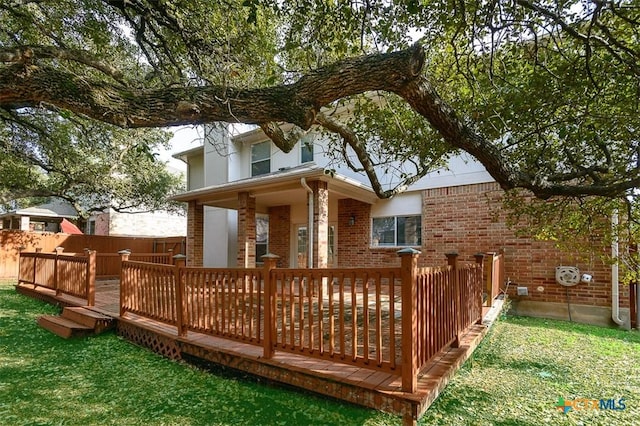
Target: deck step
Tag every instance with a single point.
(89, 318)
(63, 327)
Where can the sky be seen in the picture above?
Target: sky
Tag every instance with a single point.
(184, 138)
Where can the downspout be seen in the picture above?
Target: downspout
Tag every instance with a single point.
(615, 286)
(303, 181)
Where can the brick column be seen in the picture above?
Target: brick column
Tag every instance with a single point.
(280, 233)
(195, 234)
(246, 230)
(320, 223)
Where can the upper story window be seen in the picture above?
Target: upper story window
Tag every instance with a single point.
(306, 150)
(396, 231)
(261, 158)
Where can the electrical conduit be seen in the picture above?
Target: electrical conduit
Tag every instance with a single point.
(615, 286)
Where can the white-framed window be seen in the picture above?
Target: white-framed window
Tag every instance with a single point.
(262, 236)
(306, 149)
(395, 231)
(261, 158)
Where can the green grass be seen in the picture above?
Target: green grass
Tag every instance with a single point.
(104, 380)
(515, 378)
(525, 364)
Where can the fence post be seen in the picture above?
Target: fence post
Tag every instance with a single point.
(477, 287)
(452, 260)
(58, 251)
(409, 263)
(91, 277)
(269, 303)
(35, 265)
(179, 262)
(124, 256)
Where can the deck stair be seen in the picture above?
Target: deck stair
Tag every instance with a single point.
(76, 322)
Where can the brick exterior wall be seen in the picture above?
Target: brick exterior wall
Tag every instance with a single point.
(195, 234)
(354, 241)
(469, 219)
(280, 234)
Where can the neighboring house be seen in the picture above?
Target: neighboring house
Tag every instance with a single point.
(131, 224)
(46, 217)
(158, 223)
(246, 197)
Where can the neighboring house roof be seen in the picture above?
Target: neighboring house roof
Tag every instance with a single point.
(55, 208)
(69, 228)
(278, 188)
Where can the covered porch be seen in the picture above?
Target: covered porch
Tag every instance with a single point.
(298, 213)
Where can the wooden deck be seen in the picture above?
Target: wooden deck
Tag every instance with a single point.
(362, 386)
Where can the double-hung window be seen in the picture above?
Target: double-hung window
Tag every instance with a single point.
(261, 158)
(306, 149)
(262, 236)
(394, 231)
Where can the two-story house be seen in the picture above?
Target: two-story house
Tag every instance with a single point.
(246, 198)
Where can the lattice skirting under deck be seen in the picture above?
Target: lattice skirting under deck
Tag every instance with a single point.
(162, 345)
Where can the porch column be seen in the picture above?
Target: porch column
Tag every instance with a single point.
(246, 230)
(195, 234)
(320, 223)
(280, 233)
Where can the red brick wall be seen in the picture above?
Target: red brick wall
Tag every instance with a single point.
(354, 248)
(195, 234)
(246, 230)
(280, 234)
(469, 219)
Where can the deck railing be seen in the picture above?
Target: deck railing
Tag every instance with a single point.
(223, 302)
(347, 315)
(65, 273)
(390, 319)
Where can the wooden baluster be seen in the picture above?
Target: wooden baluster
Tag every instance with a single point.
(270, 261)
(180, 261)
(124, 290)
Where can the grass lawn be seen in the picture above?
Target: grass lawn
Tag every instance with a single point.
(514, 378)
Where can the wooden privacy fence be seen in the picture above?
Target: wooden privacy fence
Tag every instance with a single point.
(65, 273)
(390, 319)
(108, 264)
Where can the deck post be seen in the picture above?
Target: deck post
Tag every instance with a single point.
(91, 277)
(270, 261)
(452, 260)
(409, 264)
(59, 251)
(124, 256)
(180, 261)
(477, 286)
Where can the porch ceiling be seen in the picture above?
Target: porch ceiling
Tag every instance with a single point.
(278, 188)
